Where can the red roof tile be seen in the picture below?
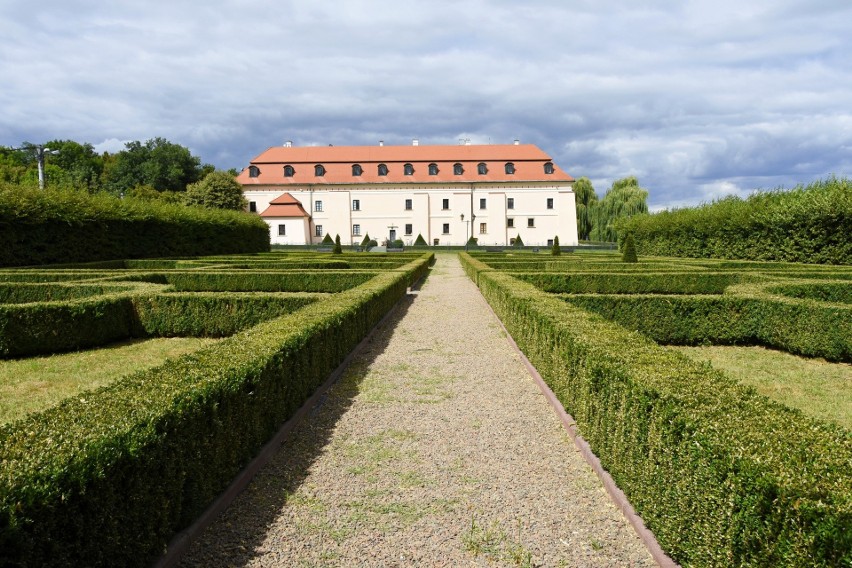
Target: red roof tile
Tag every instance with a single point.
(285, 205)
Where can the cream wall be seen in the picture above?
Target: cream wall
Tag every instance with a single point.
(381, 207)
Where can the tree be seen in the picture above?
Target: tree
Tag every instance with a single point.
(327, 240)
(555, 250)
(518, 242)
(628, 253)
(420, 241)
(366, 240)
(624, 199)
(76, 166)
(337, 248)
(586, 199)
(219, 190)
(159, 163)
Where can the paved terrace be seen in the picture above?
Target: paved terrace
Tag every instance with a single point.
(436, 448)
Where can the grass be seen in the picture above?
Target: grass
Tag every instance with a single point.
(494, 544)
(817, 388)
(36, 383)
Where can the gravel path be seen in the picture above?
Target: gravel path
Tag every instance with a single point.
(435, 449)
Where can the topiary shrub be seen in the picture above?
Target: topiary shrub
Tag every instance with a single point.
(366, 240)
(337, 248)
(420, 241)
(628, 252)
(471, 242)
(555, 250)
(327, 240)
(372, 243)
(398, 244)
(518, 242)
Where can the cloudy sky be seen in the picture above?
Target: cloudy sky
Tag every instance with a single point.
(697, 98)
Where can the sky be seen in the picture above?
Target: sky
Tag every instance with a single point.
(698, 99)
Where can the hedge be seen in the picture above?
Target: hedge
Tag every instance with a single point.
(806, 224)
(51, 226)
(721, 475)
(108, 478)
(632, 283)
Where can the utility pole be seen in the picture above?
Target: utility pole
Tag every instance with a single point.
(40, 152)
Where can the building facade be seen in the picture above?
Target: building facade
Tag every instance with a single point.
(444, 193)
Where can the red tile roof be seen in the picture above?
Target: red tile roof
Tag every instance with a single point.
(285, 205)
(528, 159)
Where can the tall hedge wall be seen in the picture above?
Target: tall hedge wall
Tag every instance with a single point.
(806, 224)
(54, 226)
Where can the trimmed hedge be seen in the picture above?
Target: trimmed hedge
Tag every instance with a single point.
(51, 226)
(806, 224)
(632, 283)
(107, 478)
(721, 475)
(257, 281)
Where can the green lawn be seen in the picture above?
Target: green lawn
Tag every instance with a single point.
(815, 387)
(35, 383)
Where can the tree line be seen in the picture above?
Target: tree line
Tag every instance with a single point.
(597, 218)
(152, 170)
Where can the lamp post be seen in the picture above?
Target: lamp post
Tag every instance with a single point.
(40, 152)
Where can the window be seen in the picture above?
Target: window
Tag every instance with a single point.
(318, 230)
(356, 205)
(510, 222)
(530, 222)
(253, 206)
(483, 228)
(548, 168)
(289, 171)
(550, 203)
(458, 169)
(446, 229)
(282, 230)
(482, 169)
(254, 171)
(445, 204)
(510, 203)
(408, 169)
(317, 205)
(319, 170)
(409, 228)
(510, 168)
(357, 170)
(356, 230)
(482, 203)
(550, 242)
(408, 206)
(433, 169)
(383, 170)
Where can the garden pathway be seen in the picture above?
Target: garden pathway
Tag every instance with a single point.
(435, 448)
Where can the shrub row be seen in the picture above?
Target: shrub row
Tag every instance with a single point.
(840, 292)
(632, 283)
(806, 224)
(257, 281)
(107, 478)
(51, 226)
(721, 475)
(21, 293)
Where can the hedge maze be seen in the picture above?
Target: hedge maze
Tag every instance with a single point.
(109, 476)
(722, 475)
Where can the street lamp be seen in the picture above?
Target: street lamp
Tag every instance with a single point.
(40, 152)
(467, 234)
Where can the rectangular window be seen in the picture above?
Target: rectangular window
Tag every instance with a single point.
(318, 230)
(550, 203)
(550, 242)
(356, 205)
(409, 228)
(446, 230)
(356, 230)
(530, 221)
(318, 206)
(482, 203)
(483, 228)
(282, 230)
(510, 222)
(510, 203)
(408, 205)
(252, 206)
(446, 204)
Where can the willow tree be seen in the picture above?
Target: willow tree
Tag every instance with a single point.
(586, 199)
(624, 199)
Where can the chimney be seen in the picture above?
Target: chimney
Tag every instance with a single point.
(517, 142)
(381, 142)
(415, 142)
(288, 144)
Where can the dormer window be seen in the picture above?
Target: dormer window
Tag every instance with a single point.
(319, 170)
(408, 169)
(357, 170)
(482, 169)
(510, 168)
(433, 169)
(254, 171)
(289, 171)
(383, 170)
(548, 168)
(458, 169)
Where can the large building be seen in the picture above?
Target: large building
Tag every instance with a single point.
(444, 193)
